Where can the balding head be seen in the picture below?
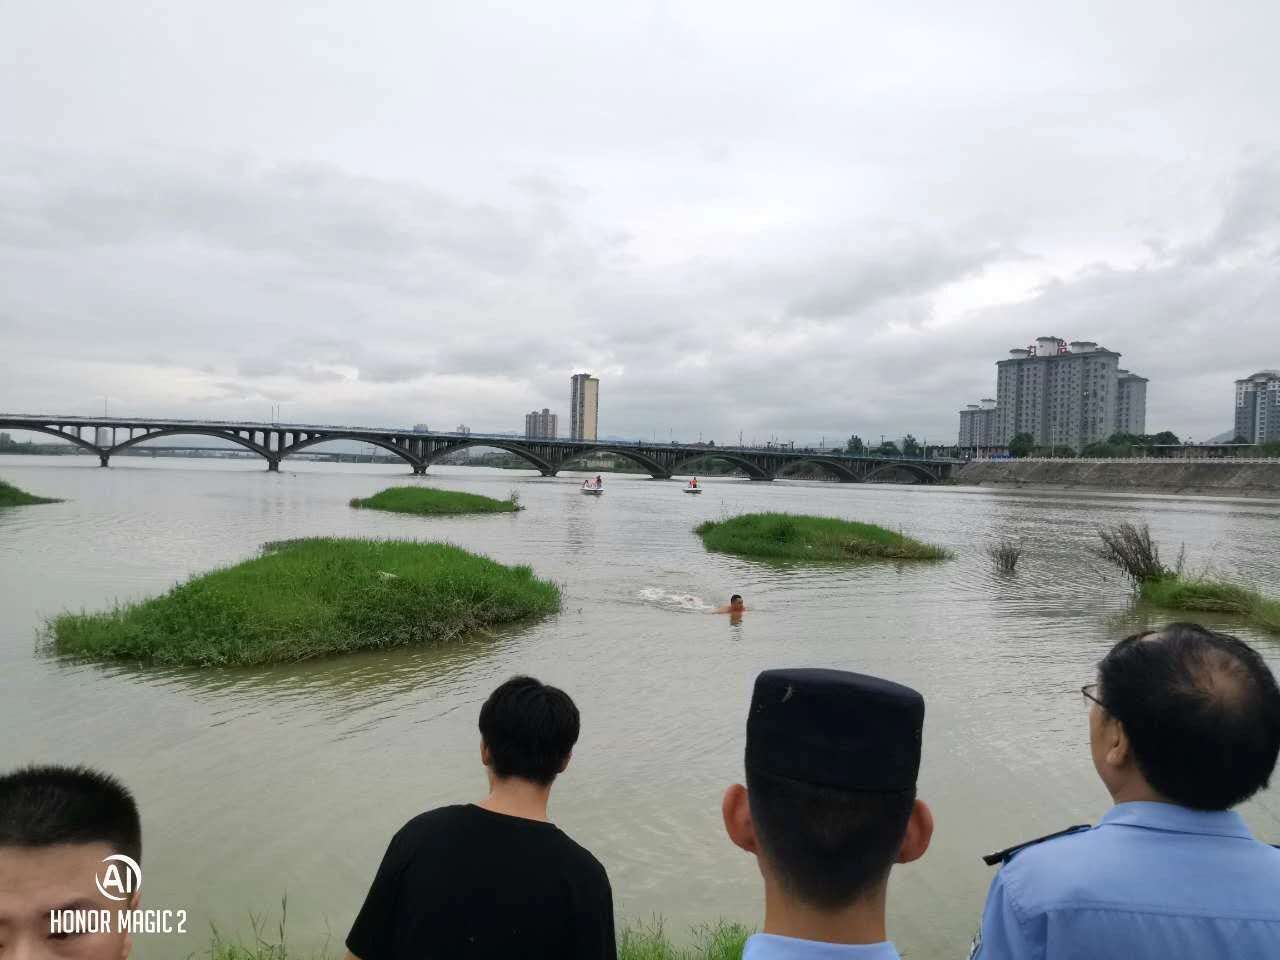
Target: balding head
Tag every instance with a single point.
(1201, 711)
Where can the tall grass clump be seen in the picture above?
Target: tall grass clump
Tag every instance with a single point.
(1005, 555)
(788, 536)
(716, 941)
(308, 598)
(1131, 549)
(11, 496)
(428, 502)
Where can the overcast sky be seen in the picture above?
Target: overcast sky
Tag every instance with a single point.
(790, 219)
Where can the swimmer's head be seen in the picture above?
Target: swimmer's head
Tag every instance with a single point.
(735, 602)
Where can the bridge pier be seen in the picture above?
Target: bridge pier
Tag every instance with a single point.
(273, 465)
(764, 479)
(419, 469)
(103, 458)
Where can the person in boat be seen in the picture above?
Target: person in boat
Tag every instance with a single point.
(694, 482)
(828, 808)
(735, 605)
(1184, 724)
(599, 481)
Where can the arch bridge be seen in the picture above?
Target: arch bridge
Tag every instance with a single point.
(106, 436)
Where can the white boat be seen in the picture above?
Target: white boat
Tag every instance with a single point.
(593, 490)
(690, 488)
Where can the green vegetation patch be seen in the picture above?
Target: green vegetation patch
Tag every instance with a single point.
(1131, 548)
(788, 536)
(311, 598)
(428, 502)
(1206, 595)
(717, 941)
(11, 496)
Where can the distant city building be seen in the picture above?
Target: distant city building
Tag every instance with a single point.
(1258, 407)
(463, 429)
(584, 406)
(978, 425)
(5, 439)
(1066, 395)
(1131, 403)
(541, 426)
(421, 428)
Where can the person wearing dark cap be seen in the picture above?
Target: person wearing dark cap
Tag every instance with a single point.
(1184, 724)
(828, 808)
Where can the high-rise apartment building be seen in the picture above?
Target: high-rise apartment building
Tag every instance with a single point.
(1258, 407)
(978, 424)
(1131, 403)
(1067, 395)
(584, 406)
(541, 426)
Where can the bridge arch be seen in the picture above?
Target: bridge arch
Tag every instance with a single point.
(543, 466)
(71, 437)
(921, 473)
(842, 471)
(189, 432)
(655, 469)
(751, 469)
(373, 441)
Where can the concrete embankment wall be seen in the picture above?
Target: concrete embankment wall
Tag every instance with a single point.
(1211, 477)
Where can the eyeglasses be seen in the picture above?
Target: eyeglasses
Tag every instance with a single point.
(1090, 692)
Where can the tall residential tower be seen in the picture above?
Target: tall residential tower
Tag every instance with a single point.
(1258, 407)
(541, 426)
(584, 406)
(1062, 394)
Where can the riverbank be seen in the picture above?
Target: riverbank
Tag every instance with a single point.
(313, 597)
(11, 496)
(1223, 478)
(430, 502)
(790, 536)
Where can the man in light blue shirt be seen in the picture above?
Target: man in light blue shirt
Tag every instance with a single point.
(1184, 724)
(829, 806)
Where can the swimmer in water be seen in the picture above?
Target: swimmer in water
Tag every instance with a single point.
(735, 606)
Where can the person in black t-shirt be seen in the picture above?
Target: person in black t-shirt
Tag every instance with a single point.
(494, 879)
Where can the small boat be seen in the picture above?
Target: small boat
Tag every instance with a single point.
(594, 490)
(692, 489)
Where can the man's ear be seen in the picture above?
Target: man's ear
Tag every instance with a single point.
(484, 753)
(126, 942)
(919, 832)
(737, 819)
(565, 763)
(1118, 749)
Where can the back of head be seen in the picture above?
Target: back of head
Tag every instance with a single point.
(47, 806)
(832, 760)
(530, 729)
(1201, 711)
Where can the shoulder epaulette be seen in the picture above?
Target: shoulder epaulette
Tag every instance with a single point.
(1003, 856)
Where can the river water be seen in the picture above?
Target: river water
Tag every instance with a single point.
(290, 780)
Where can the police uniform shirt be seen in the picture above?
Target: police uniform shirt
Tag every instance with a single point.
(767, 946)
(1152, 881)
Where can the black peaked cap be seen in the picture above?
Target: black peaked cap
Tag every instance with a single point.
(831, 728)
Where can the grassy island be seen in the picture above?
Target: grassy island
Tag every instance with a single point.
(1131, 548)
(427, 502)
(788, 536)
(11, 496)
(309, 598)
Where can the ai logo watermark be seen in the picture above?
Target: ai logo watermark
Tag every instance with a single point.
(111, 879)
(120, 879)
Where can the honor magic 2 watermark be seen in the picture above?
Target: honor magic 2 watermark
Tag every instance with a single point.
(119, 879)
